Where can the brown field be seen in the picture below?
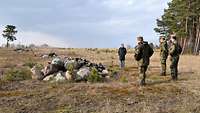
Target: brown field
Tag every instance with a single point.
(118, 95)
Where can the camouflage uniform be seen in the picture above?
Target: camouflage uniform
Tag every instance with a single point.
(143, 52)
(163, 57)
(173, 51)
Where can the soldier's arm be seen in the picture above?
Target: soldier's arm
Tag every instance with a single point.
(165, 48)
(172, 49)
(137, 51)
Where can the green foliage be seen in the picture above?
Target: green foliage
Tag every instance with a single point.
(114, 70)
(9, 33)
(39, 66)
(17, 74)
(94, 76)
(182, 18)
(70, 68)
(123, 79)
(30, 64)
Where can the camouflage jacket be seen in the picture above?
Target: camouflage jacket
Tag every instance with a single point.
(142, 55)
(173, 50)
(164, 50)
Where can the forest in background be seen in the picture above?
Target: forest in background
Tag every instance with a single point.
(182, 17)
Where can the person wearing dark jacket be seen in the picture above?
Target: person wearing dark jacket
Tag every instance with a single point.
(142, 55)
(122, 55)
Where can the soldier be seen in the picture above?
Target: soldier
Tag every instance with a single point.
(142, 55)
(122, 54)
(163, 55)
(174, 51)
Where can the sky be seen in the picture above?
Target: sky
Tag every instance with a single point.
(82, 23)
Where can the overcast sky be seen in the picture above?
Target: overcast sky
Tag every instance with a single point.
(82, 23)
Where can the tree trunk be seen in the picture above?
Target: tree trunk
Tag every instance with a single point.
(7, 44)
(184, 45)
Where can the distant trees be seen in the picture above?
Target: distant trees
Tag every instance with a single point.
(44, 46)
(9, 34)
(182, 18)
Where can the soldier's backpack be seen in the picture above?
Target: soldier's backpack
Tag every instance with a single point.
(137, 55)
(179, 49)
(150, 51)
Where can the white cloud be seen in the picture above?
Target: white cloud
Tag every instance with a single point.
(82, 21)
(37, 38)
(119, 3)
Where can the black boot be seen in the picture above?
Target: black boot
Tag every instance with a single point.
(142, 83)
(174, 78)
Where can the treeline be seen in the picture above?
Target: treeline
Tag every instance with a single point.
(182, 17)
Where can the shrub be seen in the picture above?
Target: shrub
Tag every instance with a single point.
(30, 64)
(17, 74)
(123, 79)
(98, 52)
(94, 76)
(70, 68)
(114, 71)
(39, 66)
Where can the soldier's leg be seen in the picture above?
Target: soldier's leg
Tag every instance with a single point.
(173, 68)
(142, 75)
(163, 67)
(120, 63)
(123, 64)
(176, 68)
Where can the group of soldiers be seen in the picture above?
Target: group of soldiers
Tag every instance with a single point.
(143, 52)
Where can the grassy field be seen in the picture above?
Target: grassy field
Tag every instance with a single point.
(118, 95)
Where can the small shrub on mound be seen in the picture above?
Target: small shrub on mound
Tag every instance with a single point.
(114, 71)
(30, 64)
(70, 68)
(39, 66)
(94, 76)
(17, 74)
(123, 79)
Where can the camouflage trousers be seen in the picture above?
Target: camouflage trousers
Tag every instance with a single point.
(163, 66)
(174, 67)
(142, 74)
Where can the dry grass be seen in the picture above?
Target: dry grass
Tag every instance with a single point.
(119, 95)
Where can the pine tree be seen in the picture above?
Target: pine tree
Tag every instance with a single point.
(9, 33)
(183, 18)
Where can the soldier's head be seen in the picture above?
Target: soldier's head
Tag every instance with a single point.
(162, 39)
(173, 38)
(122, 45)
(140, 40)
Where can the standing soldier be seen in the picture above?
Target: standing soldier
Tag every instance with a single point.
(163, 55)
(122, 54)
(174, 51)
(142, 55)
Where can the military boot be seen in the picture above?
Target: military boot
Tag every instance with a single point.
(174, 78)
(142, 82)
